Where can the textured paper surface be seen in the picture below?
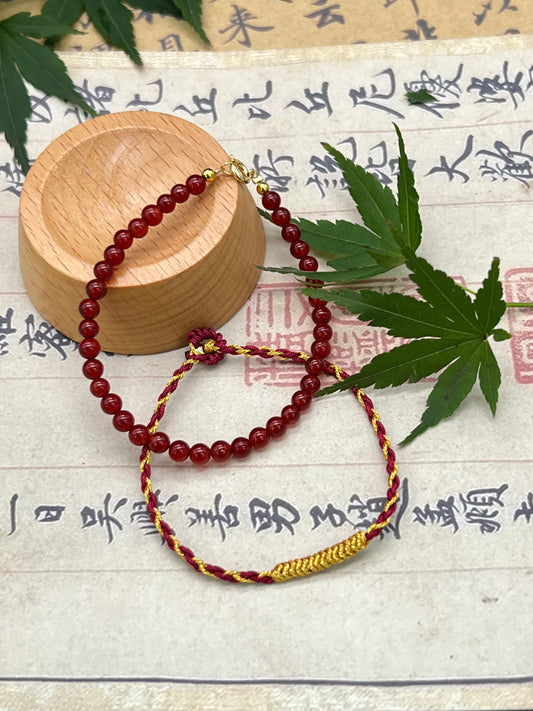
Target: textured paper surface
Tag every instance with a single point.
(278, 24)
(435, 615)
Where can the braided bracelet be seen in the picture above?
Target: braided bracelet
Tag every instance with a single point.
(211, 353)
(209, 347)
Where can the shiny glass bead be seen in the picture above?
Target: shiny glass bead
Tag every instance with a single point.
(241, 447)
(302, 400)
(271, 200)
(152, 215)
(96, 289)
(111, 404)
(139, 435)
(88, 328)
(93, 369)
(195, 184)
(276, 427)
(89, 348)
(259, 437)
(103, 270)
(291, 415)
(299, 249)
(180, 192)
(290, 232)
(89, 308)
(123, 238)
(200, 454)
(310, 384)
(281, 216)
(100, 387)
(179, 450)
(220, 451)
(308, 264)
(114, 255)
(123, 421)
(321, 349)
(322, 332)
(314, 366)
(166, 203)
(159, 442)
(138, 227)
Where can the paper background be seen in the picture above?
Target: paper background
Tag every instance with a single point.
(445, 612)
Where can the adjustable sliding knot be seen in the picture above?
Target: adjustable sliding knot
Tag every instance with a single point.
(206, 346)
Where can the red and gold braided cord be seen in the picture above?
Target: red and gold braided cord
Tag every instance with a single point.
(297, 567)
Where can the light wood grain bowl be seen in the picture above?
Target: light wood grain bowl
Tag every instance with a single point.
(195, 269)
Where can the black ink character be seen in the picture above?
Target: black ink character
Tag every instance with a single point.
(13, 514)
(141, 517)
(240, 25)
(381, 166)
(6, 329)
(421, 31)
(40, 109)
(314, 101)
(377, 94)
(45, 338)
(480, 507)
(104, 517)
(506, 164)
(326, 174)
(138, 101)
(99, 100)
(271, 172)
(278, 515)
(48, 514)
(14, 177)
(254, 111)
(326, 14)
(499, 88)
(447, 91)
(451, 171)
(525, 509)
(171, 42)
(202, 106)
(442, 514)
(225, 518)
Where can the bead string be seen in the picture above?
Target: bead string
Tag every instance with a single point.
(96, 289)
(290, 569)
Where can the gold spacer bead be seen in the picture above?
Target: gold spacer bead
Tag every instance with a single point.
(262, 188)
(209, 175)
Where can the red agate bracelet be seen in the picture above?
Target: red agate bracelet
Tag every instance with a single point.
(114, 255)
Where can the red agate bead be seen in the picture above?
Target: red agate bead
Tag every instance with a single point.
(139, 435)
(259, 437)
(196, 184)
(271, 200)
(241, 447)
(179, 450)
(152, 215)
(159, 442)
(200, 453)
(220, 451)
(138, 227)
(123, 421)
(276, 427)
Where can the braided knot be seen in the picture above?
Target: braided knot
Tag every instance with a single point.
(206, 346)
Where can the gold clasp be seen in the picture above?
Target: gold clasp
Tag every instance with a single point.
(235, 168)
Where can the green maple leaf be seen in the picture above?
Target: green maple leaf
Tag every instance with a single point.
(422, 96)
(450, 330)
(113, 20)
(22, 58)
(356, 252)
(192, 12)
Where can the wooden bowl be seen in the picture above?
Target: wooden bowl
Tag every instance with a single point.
(195, 269)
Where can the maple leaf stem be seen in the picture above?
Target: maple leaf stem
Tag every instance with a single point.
(508, 304)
